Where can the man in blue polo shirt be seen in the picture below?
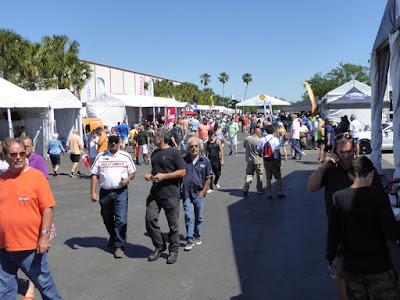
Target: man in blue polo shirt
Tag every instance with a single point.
(123, 131)
(194, 189)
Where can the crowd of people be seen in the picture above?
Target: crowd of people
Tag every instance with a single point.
(186, 160)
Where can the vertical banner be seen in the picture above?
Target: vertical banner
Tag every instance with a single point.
(171, 114)
(212, 101)
(101, 86)
(141, 86)
(311, 96)
(150, 88)
(88, 91)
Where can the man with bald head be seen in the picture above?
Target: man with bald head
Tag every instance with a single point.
(254, 161)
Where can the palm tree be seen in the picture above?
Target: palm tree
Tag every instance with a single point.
(205, 79)
(246, 79)
(223, 78)
(62, 65)
(13, 51)
(164, 88)
(186, 92)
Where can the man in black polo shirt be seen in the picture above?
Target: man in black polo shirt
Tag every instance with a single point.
(333, 175)
(168, 167)
(194, 189)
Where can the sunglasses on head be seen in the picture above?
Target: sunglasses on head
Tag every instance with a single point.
(345, 135)
(15, 155)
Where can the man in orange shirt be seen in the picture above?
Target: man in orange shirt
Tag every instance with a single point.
(102, 144)
(202, 133)
(26, 214)
(245, 124)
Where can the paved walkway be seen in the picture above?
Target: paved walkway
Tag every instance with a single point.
(252, 248)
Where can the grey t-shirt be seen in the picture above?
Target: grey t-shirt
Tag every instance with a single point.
(251, 143)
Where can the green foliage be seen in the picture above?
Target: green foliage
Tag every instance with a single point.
(54, 63)
(164, 88)
(205, 79)
(322, 84)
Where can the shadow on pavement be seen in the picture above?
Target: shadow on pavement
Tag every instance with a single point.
(279, 245)
(131, 250)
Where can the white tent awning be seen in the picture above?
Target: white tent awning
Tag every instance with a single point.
(256, 101)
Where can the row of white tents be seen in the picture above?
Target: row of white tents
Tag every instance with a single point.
(43, 113)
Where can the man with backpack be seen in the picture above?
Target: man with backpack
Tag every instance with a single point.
(269, 148)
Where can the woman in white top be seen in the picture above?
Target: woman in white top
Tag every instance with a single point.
(3, 164)
(218, 133)
(93, 147)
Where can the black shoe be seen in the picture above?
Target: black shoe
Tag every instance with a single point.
(172, 257)
(156, 254)
(55, 174)
(137, 163)
(110, 242)
(245, 192)
(269, 198)
(294, 157)
(230, 153)
(281, 196)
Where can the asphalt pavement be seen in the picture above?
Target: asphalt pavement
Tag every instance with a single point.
(253, 248)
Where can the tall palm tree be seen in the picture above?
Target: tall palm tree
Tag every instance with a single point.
(13, 51)
(223, 78)
(205, 79)
(186, 92)
(62, 65)
(246, 79)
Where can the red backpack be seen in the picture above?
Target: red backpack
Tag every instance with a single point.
(268, 154)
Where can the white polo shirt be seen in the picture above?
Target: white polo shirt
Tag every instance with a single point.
(112, 168)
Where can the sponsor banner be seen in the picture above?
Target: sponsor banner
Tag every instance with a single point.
(141, 86)
(311, 96)
(101, 86)
(171, 114)
(150, 88)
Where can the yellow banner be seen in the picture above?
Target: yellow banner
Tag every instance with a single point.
(212, 101)
(311, 95)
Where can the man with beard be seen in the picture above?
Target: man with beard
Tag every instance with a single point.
(113, 169)
(168, 167)
(194, 188)
(26, 214)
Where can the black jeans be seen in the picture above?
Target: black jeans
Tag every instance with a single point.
(171, 209)
(216, 168)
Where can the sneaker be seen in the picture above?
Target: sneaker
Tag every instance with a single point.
(188, 246)
(294, 157)
(198, 241)
(71, 175)
(79, 173)
(230, 153)
(209, 191)
(55, 174)
(281, 196)
(260, 192)
(302, 152)
(137, 163)
(269, 198)
(235, 154)
(217, 186)
(245, 192)
(119, 253)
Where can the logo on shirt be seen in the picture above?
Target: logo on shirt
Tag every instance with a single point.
(202, 166)
(24, 198)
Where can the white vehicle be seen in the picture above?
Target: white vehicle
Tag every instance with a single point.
(387, 139)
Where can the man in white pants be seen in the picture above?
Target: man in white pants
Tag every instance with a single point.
(355, 129)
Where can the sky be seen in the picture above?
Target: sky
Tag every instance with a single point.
(281, 43)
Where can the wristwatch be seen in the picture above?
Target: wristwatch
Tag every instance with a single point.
(46, 232)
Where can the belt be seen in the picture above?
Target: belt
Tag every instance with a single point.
(120, 190)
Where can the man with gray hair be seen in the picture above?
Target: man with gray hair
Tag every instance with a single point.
(194, 188)
(167, 169)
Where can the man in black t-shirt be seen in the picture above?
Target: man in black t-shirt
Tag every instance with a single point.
(333, 175)
(168, 167)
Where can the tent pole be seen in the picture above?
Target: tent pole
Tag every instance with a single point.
(10, 126)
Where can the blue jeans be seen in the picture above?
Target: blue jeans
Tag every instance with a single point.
(34, 266)
(295, 146)
(193, 209)
(114, 210)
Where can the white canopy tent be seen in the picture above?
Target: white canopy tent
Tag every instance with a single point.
(22, 108)
(386, 55)
(332, 104)
(65, 110)
(107, 107)
(268, 100)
